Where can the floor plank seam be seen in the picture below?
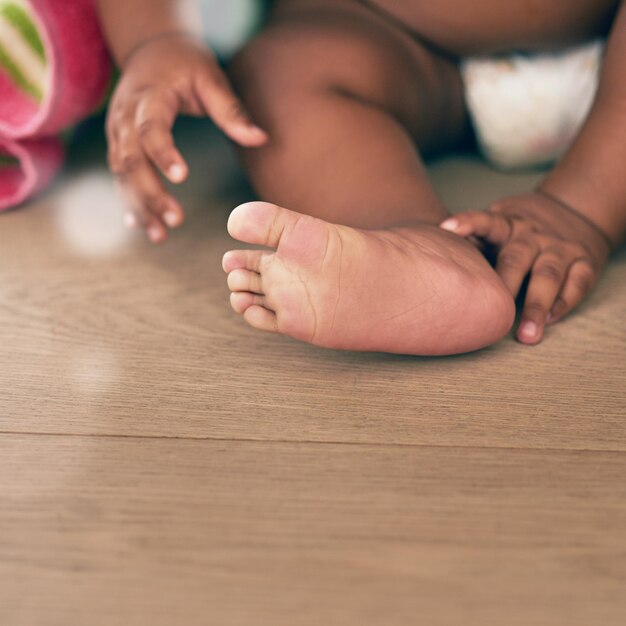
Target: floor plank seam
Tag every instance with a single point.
(306, 442)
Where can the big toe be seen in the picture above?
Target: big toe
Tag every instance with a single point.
(260, 223)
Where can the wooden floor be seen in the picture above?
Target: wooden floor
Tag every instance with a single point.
(163, 464)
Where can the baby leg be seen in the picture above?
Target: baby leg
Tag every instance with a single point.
(347, 97)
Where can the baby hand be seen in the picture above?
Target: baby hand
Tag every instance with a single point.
(537, 234)
(164, 77)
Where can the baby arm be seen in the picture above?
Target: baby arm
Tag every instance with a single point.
(563, 233)
(166, 70)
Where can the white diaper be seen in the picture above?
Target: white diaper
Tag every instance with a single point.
(527, 109)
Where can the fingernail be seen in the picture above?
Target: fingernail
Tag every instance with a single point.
(171, 218)
(450, 224)
(549, 318)
(255, 129)
(528, 329)
(154, 232)
(176, 173)
(130, 220)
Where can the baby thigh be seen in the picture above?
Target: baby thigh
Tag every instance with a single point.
(346, 97)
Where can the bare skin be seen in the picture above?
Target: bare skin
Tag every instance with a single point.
(166, 70)
(318, 285)
(563, 233)
(466, 28)
(351, 94)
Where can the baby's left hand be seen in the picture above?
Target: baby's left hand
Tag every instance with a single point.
(534, 233)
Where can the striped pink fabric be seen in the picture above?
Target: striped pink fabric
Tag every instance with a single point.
(38, 161)
(79, 76)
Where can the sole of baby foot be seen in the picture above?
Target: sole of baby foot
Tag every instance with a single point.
(409, 290)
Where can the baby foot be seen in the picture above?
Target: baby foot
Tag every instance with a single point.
(409, 290)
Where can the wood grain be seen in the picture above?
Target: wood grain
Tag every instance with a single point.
(161, 463)
(104, 333)
(97, 530)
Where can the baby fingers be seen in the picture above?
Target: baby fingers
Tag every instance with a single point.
(224, 107)
(148, 206)
(547, 278)
(492, 227)
(151, 206)
(580, 280)
(537, 237)
(515, 260)
(153, 122)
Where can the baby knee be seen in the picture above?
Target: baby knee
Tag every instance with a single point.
(317, 54)
(269, 64)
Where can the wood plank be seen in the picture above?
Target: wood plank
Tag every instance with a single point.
(103, 333)
(97, 530)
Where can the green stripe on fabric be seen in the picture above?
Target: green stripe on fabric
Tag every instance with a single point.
(8, 161)
(15, 74)
(21, 21)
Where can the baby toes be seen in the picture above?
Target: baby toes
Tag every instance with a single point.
(241, 301)
(261, 223)
(261, 318)
(245, 280)
(244, 259)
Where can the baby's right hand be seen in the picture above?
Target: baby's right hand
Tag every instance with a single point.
(164, 77)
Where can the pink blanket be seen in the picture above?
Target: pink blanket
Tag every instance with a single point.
(54, 71)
